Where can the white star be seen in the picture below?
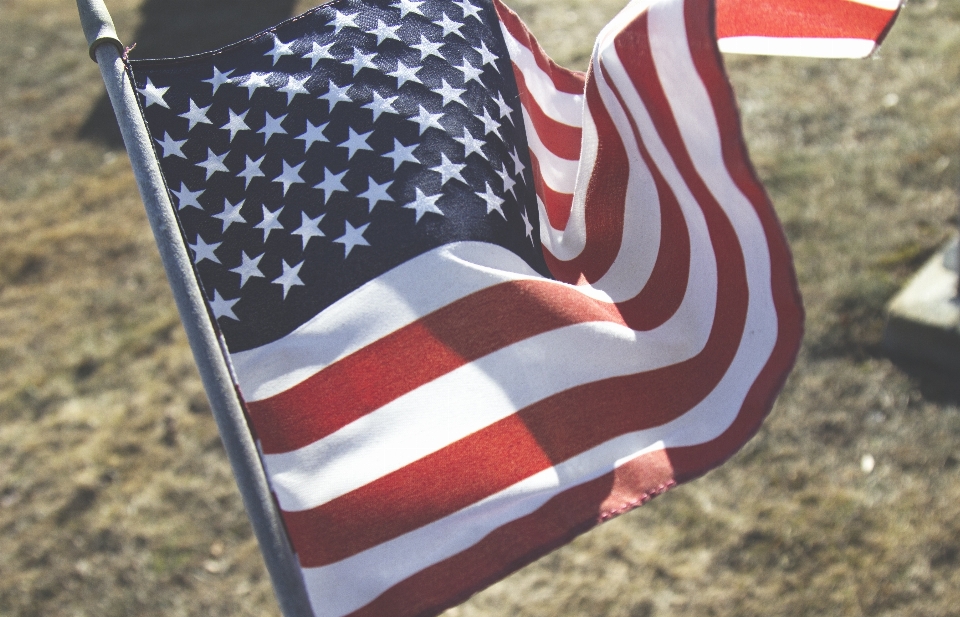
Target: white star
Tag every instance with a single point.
(219, 78)
(508, 181)
(341, 21)
(236, 123)
(470, 143)
(384, 32)
(269, 222)
(426, 120)
(231, 214)
(295, 87)
(222, 307)
(449, 170)
(271, 126)
(289, 278)
(380, 105)
(401, 154)
(352, 236)
(290, 176)
(251, 170)
(254, 81)
(171, 147)
(214, 163)
(470, 72)
(335, 94)
(196, 115)
(527, 227)
(376, 193)
(248, 268)
(493, 202)
(405, 73)
(309, 228)
(450, 94)
(279, 49)
(313, 134)
(450, 26)
(468, 9)
(187, 198)
(361, 61)
(489, 124)
(518, 165)
(488, 57)
(202, 250)
(320, 52)
(427, 49)
(408, 6)
(505, 110)
(331, 183)
(424, 205)
(153, 95)
(356, 141)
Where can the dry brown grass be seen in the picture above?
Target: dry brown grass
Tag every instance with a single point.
(116, 499)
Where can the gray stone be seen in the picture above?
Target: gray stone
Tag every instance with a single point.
(923, 320)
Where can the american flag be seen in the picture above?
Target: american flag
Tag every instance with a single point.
(476, 303)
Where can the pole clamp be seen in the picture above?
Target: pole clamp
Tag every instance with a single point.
(97, 26)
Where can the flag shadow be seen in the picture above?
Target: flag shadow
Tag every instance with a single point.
(172, 28)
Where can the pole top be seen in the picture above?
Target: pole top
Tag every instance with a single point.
(97, 26)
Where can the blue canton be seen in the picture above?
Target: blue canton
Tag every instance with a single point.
(311, 158)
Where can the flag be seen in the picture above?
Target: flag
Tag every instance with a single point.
(475, 303)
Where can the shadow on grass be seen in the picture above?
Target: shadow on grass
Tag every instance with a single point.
(182, 27)
(853, 325)
(937, 384)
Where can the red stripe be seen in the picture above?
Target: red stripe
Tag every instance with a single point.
(558, 205)
(548, 432)
(447, 339)
(694, 461)
(662, 295)
(801, 18)
(402, 361)
(605, 202)
(561, 139)
(512, 546)
(565, 80)
(509, 548)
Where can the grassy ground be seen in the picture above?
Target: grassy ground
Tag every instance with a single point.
(116, 499)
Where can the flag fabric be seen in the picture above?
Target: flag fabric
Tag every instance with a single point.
(475, 303)
(823, 28)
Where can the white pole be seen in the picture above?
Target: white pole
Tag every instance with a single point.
(106, 50)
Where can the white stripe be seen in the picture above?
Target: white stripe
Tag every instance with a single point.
(642, 238)
(560, 106)
(549, 234)
(489, 389)
(889, 5)
(372, 572)
(804, 47)
(560, 174)
(340, 588)
(695, 116)
(566, 244)
(381, 306)
(343, 587)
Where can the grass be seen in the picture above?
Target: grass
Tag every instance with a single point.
(116, 498)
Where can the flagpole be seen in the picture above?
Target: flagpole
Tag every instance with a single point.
(106, 49)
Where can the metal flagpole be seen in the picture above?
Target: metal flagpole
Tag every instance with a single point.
(106, 50)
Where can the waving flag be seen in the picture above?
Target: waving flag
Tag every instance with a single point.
(475, 303)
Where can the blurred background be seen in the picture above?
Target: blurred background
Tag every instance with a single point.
(116, 497)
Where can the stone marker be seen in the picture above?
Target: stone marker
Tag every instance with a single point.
(923, 320)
